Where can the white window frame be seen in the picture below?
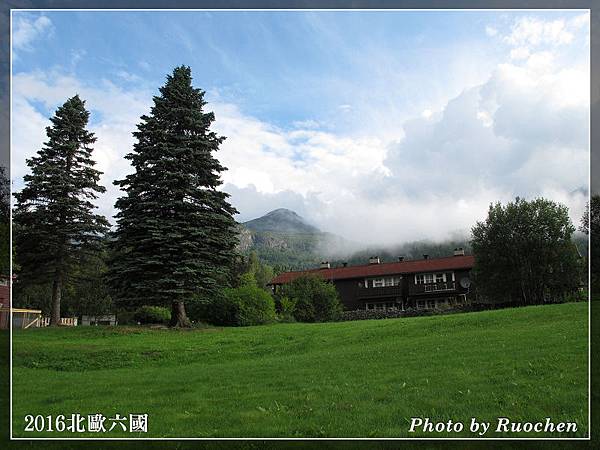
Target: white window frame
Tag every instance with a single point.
(378, 282)
(384, 281)
(381, 306)
(431, 278)
(439, 277)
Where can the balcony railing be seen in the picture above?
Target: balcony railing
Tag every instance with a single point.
(385, 291)
(432, 287)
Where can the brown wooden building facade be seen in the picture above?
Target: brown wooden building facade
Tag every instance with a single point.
(422, 284)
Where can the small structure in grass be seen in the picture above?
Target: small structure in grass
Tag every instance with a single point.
(107, 319)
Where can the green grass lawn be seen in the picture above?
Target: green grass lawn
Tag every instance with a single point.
(346, 379)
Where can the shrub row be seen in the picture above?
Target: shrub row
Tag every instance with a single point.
(243, 306)
(152, 315)
(145, 315)
(366, 314)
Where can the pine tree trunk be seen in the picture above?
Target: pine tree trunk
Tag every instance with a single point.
(56, 297)
(179, 318)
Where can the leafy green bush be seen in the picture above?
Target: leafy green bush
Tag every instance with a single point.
(125, 317)
(285, 309)
(242, 306)
(314, 299)
(577, 296)
(152, 314)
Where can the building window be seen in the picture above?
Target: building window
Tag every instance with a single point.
(430, 278)
(424, 278)
(430, 303)
(386, 281)
(393, 281)
(378, 282)
(434, 303)
(381, 306)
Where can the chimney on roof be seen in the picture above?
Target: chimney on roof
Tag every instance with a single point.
(344, 264)
(400, 258)
(325, 265)
(425, 256)
(459, 251)
(374, 260)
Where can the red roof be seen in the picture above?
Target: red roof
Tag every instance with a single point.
(372, 270)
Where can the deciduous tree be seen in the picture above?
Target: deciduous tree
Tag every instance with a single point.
(524, 252)
(314, 299)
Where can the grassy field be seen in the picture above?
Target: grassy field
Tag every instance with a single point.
(364, 378)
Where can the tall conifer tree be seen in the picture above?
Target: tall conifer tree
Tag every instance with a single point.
(175, 237)
(54, 215)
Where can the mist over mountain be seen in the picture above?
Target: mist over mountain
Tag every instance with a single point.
(285, 239)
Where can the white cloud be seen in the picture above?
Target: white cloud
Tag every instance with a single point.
(531, 31)
(580, 21)
(130, 77)
(76, 56)
(309, 123)
(26, 30)
(519, 53)
(485, 118)
(491, 31)
(523, 132)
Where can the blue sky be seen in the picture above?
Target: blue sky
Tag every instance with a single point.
(330, 113)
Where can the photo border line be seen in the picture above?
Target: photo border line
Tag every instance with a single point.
(13, 438)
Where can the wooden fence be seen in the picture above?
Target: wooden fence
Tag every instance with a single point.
(64, 321)
(21, 318)
(30, 318)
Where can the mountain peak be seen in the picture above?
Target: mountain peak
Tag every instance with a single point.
(284, 213)
(281, 220)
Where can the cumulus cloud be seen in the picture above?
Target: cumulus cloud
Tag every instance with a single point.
(523, 132)
(519, 53)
